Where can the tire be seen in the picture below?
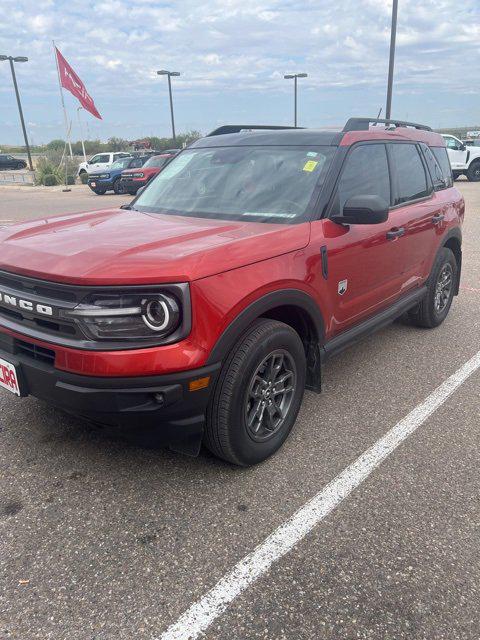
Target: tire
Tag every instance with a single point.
(99, 192)
(239, 394)
(428, 313)
(473, 172)
(118, 187)
(456, 175)
(132, 193)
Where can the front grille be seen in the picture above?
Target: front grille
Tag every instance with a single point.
(34, 351)
(54, 295)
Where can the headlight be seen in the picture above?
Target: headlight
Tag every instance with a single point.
(153, 316)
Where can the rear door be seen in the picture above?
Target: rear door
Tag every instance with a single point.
(414, 207)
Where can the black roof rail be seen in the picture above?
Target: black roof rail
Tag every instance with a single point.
(236, 128)
(363, 124)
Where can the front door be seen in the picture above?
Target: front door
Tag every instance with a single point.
(365, 261)
(457, 152)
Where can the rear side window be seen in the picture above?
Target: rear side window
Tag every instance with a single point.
(409, 173)
(443, 160)
(434, 168)
(365, 172)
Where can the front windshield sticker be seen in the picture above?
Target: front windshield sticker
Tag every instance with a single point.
(310, 165)
(312, 154)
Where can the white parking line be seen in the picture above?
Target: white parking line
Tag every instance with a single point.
(203, 612)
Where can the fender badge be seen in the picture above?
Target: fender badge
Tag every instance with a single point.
(342, 287)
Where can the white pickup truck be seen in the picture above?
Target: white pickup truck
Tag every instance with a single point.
(465, 160)
(101, 161)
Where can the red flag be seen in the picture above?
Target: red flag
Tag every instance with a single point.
(71, 82)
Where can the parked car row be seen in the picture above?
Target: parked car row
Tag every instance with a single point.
(127, 174)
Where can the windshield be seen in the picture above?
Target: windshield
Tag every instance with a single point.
(271, 184)
(157, 161)
(121, 164)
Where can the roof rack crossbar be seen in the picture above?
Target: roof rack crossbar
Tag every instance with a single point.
(363, 124)
(236, 128)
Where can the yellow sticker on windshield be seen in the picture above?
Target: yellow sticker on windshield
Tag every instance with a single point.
(310, 165)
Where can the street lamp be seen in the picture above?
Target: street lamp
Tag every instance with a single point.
(12, 59)
(295, 76)
(393, 35)
(169, 74)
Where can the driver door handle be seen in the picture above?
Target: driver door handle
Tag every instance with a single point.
(438, 217)
(396, 232)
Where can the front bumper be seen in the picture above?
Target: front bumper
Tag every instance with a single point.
(102, 184)
(161, 405)
(133, 184)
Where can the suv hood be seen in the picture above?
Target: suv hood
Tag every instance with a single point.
(120, 246)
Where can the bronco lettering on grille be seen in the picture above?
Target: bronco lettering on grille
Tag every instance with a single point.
(26, 305)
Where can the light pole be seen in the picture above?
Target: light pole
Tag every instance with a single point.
(12, 59)
(391, 64)
(295, 77)
(169, 74)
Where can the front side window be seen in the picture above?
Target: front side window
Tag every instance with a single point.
(409, 173)
(453, 143)
(365, 173)
(105, 159)
(261, 184)
(94, 160)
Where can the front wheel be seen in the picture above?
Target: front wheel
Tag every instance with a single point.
(99, 192)
(473, 173)
(434, 308)
(258, 394)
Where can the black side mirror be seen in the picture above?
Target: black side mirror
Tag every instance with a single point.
(463, 147)
(363, 210)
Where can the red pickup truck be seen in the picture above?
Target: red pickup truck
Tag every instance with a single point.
(204, 309)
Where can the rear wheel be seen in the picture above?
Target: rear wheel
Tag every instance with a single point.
(100, 192)
(434, 308)
(473, 173)
(132, 192)
(118, 187)
(258, 394)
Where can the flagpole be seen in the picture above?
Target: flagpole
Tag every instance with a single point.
(62, 99)
(81, 133)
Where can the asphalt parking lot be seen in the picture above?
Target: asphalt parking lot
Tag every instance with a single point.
(102, 539)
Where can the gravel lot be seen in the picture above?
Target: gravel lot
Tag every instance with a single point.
(104, 540)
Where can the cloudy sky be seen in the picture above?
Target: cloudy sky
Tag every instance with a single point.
(232, 55)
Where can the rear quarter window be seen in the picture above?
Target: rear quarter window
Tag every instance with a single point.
(409, 173)
(443, 160)
(436, 173)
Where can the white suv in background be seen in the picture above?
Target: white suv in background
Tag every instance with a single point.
(464, 160)
(101, 161)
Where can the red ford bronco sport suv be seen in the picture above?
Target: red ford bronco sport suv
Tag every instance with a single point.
(205, 308)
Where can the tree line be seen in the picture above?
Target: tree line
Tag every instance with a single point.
(112, 144)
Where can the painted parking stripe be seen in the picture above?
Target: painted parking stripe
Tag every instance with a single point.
(203, 612)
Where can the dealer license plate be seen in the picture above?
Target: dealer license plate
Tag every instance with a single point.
(8, 377)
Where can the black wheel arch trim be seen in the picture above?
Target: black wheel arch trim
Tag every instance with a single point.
(456, 234)
(268, 302)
